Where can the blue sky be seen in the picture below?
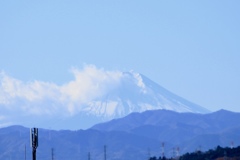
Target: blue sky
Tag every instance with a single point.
(191, 48)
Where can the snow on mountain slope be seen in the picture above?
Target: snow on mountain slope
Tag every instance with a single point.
(137, 93)
(94, 96)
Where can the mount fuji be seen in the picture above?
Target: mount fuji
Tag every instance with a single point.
(137, 93)
(132, 92)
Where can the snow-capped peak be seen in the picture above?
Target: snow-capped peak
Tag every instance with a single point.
(137, 93)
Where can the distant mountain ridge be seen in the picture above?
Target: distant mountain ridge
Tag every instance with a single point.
(225, 119)
(187, 130)
(136, 136)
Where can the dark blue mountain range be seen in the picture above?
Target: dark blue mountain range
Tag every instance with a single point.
(136, 136)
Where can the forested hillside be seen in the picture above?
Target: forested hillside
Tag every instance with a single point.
(218, 153)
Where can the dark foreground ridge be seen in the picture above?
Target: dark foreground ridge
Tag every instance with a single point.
(219, 153)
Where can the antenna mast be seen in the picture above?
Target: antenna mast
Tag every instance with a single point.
(34, 141)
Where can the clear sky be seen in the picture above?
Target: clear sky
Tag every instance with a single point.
(191, 48)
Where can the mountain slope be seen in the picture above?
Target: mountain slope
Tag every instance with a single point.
(137, 93)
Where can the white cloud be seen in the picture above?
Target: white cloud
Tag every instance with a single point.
(88, 84)
(32, 91)
(139, 81)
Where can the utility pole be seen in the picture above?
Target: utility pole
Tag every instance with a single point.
(25, 155)
(163, 149)
(89, 156)
(34, 141)
(225, 155)
(173, 152)
(177, 153)
(52, 151)
(105, 152)
(149, 154)
(232, 145)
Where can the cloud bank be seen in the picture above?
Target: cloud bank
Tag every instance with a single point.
(88, 84)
